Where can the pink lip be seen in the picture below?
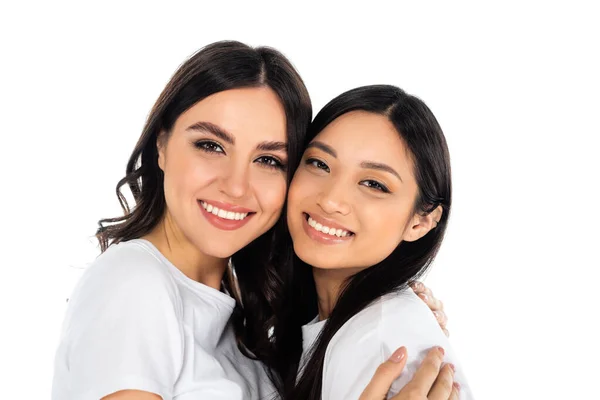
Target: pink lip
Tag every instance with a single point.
(323, 237)
(228, 207)
(222, 223)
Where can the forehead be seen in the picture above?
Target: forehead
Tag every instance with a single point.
(251, 113)
(365, 136)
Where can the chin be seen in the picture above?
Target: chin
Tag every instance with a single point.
(318, 259)
(217, 249)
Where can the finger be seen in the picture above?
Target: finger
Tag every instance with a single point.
(426, 290)
(455, 392)
(434, 304)
(431, 301)
(384, 376)
(446, 332)
(417, 287)
(441, 318)
(442, 388)
(428, 371)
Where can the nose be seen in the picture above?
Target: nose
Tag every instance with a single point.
(236, 181)
(333, 199)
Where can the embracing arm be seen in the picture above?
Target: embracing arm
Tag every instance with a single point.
(132, 395)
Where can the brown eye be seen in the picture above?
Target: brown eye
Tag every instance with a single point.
(371, 184)
(270, 162)
(209, 146)
(313, 162)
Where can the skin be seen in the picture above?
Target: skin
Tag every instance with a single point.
(238, 169)
(432, 381)
(229, 148)
(366, 187)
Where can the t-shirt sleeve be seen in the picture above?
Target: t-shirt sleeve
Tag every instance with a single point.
(371, 337)
(407, 321)
(352, 356)
(123, 330)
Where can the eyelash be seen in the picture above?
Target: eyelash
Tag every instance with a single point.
(204, 146)
(378, 186)
(372, 184)
(277, 163)
(266, 161)
(313, 162)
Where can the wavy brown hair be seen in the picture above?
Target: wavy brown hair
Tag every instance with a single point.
(215, 68)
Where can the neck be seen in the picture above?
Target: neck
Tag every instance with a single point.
(176, 248)
(329, 284)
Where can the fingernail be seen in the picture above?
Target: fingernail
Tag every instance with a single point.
(424, 296)
(398, 355)
(441, 350)
(452, 367)
(456, 385)
(437, 314)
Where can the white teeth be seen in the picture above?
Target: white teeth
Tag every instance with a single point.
(222, 213)
(327, 230)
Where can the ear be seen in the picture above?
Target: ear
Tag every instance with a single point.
(161, 144)
(420, 225)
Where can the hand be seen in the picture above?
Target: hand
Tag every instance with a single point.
(432, 381)
(436, 306)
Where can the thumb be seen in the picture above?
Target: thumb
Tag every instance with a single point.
(384, 376)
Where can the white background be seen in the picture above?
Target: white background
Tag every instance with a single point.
(515, 87)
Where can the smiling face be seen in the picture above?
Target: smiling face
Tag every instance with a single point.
(224, 166)
(352, 199)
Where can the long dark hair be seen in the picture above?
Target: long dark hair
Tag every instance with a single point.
(215, 68)
(425, 140)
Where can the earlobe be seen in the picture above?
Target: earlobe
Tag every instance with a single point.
(160, 149)
(420, 225)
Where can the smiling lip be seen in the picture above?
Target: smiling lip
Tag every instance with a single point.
(228, 207)
(222, 223)
(321, 237)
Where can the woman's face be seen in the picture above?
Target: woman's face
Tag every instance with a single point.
(351, 200)
(224, 166)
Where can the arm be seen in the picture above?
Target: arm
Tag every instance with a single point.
(132, 395)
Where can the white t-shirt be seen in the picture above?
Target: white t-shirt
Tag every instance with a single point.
(371, 336)
(135, 321)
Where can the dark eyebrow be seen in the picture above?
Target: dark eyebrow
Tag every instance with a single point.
(380, 167)
(323, 147)
(214, 129)
(272, 146)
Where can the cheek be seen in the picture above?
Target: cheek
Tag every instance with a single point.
(382, 229)
(270, 192)
(303, 186)
(185, 175)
